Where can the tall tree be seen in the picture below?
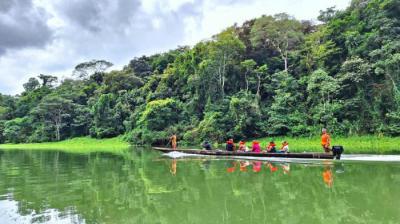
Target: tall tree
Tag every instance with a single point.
(260, 71)
(281, 32)
(86, 69)
(54, 111)
(248, 66)
(48, 80)
(225, 49)
(31, 85)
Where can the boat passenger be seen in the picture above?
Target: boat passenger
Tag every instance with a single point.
(285, 147)
(242, 146)
(206, 145)
(230, 145)
(325, 140)
(271, 147)
(256, 147)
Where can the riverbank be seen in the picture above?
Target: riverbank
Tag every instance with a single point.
(352, 145)
(75, 145)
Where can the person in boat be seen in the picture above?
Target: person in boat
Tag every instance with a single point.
(230, 145)
(271, 147)
(285, 147)
(242, 146)
(326, 140)
(173, 139)
(206, 145)
(256, 147)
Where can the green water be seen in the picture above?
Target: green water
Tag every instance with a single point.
(144, 187)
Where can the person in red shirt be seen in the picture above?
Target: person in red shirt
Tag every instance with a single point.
(271, 147)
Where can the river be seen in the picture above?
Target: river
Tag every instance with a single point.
(144, 186)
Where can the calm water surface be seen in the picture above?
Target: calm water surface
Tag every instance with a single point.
(142, 186)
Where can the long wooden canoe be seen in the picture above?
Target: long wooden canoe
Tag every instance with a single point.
(308, 155)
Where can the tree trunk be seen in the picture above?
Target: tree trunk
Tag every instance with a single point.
(223, 76)
(58, 132)
(58, 120)
(286, 63)
(247, 82)
(258, 84)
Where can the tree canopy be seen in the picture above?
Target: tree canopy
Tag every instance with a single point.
(273, 75)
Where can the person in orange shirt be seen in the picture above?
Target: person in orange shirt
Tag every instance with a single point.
(325, 140)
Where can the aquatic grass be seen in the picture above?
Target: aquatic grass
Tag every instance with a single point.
(354, 144)
(75, 145)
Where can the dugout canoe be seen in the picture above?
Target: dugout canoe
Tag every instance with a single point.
(305, 155)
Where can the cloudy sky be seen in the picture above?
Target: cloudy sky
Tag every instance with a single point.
(52, 36)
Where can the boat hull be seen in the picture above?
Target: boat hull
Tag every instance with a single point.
(248, 154)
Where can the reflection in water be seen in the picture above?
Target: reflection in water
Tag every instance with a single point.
(244, 165)
(137, 187)
(327, 176)
(285, 168)
(10, 214)
(173, 167)
(257, 166)
(231, 166)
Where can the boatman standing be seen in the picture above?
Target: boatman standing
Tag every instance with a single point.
(173, 141)
(325, 140)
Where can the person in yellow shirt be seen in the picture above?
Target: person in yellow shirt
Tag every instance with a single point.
(326, 140)
(173, 141)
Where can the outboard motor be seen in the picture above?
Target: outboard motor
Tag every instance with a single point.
(337, 151)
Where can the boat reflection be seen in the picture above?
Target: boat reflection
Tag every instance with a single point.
(328, 168)
(284, 168)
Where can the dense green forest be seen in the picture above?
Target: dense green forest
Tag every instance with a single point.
(270, 76)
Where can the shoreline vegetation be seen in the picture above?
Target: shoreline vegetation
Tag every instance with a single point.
(269, 76)
(352, 145)
(75, 145)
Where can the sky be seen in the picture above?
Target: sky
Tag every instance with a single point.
(53, 36)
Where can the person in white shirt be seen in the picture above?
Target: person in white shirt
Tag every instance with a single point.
(285, 147)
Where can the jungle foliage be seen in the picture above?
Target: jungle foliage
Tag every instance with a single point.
(271, 76)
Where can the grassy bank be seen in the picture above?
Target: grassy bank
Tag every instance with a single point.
(355, 144)
(77, 145)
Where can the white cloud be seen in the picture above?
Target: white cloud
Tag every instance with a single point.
(118, 30)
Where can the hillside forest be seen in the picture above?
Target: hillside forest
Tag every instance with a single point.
(270, 76)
